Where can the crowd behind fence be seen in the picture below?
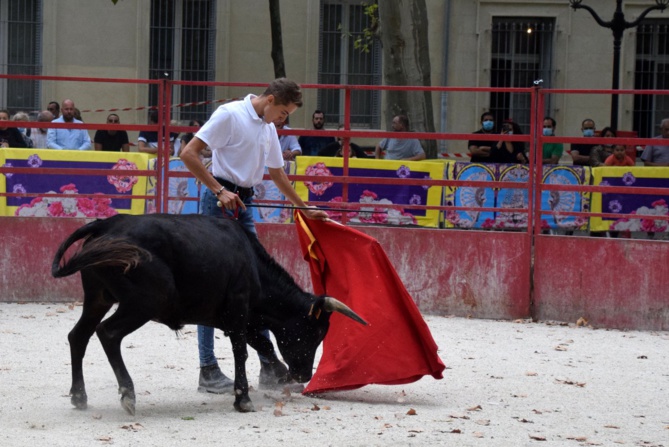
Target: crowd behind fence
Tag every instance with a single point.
(442, 192)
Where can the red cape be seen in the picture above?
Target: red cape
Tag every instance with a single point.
(396, 346)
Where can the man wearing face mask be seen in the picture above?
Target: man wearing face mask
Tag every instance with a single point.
(551, 151)
(580, 153)
(480, 150)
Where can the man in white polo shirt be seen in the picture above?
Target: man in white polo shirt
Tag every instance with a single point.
(243, 140)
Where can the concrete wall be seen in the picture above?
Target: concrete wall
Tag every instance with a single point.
(612, 283)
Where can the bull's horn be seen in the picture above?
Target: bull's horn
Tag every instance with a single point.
(334, 305)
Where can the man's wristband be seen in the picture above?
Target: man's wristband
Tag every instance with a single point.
(218, 193)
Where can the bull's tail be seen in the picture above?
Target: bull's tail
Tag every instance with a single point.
(96, 251)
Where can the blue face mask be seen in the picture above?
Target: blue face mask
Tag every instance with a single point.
(548, 132)
(488, 125)
(588, 132)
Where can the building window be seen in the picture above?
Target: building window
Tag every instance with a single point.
(20, 53)
(522, 52)
(651, 73)
(342, 64)
(182, 49)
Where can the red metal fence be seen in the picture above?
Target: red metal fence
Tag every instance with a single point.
(487, 274)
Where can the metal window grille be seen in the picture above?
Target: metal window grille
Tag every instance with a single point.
(182, 48)
(522, 52)
(340, 63)
(20, 53)
(651, 73)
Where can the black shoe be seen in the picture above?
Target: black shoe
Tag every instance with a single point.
(212, 380)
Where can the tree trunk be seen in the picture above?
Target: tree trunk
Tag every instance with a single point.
(277, 40)
(406, 61)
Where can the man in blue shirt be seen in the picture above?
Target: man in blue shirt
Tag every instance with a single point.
(73, 139)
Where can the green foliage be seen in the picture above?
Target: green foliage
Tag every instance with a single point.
(364, 41)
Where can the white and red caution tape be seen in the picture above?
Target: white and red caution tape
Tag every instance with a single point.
(453, 155)
(183, 104)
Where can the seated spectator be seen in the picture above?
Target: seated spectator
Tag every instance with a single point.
(112, 140)
(580, 153)
(148, 139)
(10, 136)
(480, 150)
(185, 139)
(23, 116)
(619, 157)
(551, 152)
(400, 149)
(658, 155)
(312, 144)
(175, 140)
(336, 149)
(509, 151)
(75, 139)
(77, 115)
(38, 135)
(290, 147)
(54, 108)
(601, 152)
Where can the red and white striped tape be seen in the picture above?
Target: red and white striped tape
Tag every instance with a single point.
(453, 155)
(183, 104)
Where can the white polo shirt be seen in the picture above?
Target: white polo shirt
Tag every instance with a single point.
(241, 142)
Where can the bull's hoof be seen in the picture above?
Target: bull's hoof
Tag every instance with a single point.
(79, 400)
(128, 401)
(244, 405)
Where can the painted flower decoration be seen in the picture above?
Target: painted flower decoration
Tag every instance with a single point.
(415, 200)
(67, 206)
(629, 179)
(615, 206)
(322, 170)
(123, 183)
(403, 171)
(19, 188)
(8, 165)
(34, 161)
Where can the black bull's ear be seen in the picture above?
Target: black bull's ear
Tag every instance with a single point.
(329, 304)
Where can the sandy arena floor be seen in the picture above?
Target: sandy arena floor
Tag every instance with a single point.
(507, 384)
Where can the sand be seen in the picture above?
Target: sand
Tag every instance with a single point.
(507, 384)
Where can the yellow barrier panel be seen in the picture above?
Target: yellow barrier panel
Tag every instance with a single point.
(375, 196)
(46, 184)
(640, 204)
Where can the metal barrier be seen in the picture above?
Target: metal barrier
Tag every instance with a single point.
(486, 274)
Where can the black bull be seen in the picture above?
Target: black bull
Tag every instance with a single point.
(189, 269)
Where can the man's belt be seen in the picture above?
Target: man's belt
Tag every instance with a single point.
(244, 193)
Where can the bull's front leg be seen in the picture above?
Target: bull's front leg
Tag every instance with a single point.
(242, 403)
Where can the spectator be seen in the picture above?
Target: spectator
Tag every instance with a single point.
(619, 157)
(185, 139)
(657, 155)
(148, 139)
(601, 152)
(175, 140)
(38, 135)
(311, 145)
(400, 148)
(509, 151)
(336, 149)
(75, 139)
(112, 140)
(580, 153)
(290, 147)
(54, 108)
(480, 150)
(25, 132)
(77, 115)
(10, 136)
(551, 152)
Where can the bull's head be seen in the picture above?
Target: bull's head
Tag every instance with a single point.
(300, 340)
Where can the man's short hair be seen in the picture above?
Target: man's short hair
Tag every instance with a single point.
(552, 120)
(404, 121)
(285, 92)
(153, 116)
(484, 114)
(586, 120)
